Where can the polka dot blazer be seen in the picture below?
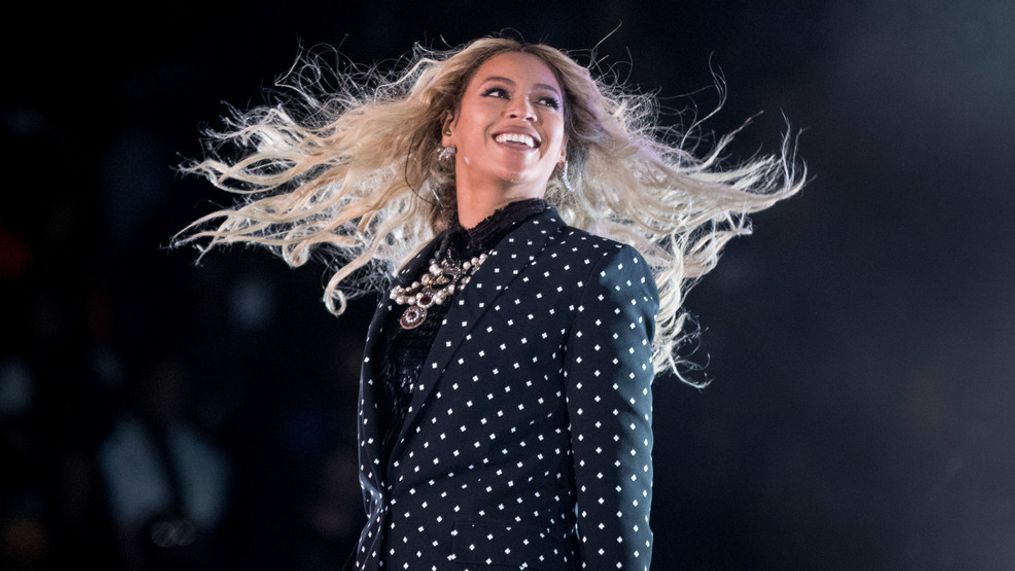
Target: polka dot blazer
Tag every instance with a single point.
(528, 443)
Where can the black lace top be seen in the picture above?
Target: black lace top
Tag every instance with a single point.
(405, 349)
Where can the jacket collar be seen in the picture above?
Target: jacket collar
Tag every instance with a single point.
(489, 231)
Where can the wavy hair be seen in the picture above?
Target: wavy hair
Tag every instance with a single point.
(350, 176)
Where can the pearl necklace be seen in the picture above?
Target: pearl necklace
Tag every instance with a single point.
(444, 278)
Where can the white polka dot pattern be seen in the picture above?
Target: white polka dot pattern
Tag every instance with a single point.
(608, 380)
(528, 441)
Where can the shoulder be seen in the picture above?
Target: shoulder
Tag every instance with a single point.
(599, 249)
(607, 261)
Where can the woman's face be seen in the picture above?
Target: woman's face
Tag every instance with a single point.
(514, 94)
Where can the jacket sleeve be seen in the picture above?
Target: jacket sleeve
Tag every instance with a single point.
(608, 378)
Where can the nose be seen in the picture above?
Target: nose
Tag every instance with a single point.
(520, 107)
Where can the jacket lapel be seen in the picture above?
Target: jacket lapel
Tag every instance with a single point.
(514, 252)
(371, 433)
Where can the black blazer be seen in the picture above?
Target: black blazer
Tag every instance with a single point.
(528, 443)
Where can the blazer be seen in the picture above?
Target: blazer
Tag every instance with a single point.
(528, 441)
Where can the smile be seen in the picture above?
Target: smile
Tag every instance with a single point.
(518, 141)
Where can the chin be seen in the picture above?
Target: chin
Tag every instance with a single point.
(519, 176)
(512, 177)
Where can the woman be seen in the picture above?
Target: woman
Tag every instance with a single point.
(505, 410)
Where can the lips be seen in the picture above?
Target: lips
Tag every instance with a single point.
(514, 139)
(517, 147)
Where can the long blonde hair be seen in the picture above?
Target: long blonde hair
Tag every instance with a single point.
(355, 174)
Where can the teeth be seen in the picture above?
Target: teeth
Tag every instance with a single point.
(517, 138)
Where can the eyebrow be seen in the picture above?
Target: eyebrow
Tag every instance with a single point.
(506, 80)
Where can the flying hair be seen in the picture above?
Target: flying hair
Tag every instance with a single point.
(343, 168)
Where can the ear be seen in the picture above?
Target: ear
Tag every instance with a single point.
(446, 132)
(563, 149)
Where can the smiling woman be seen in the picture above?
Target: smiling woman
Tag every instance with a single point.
(535, 242)
(508, 131)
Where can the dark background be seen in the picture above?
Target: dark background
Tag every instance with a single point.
(860, 342)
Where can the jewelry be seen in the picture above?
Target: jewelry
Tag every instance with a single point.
(563, 176)
(435, 287)
(447, 153)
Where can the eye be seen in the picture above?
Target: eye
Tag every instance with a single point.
(493, 90)
(550, 102)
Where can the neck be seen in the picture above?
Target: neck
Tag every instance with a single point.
(473, 207)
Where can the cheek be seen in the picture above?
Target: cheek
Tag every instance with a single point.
(476, 131)
(558, 138)
(468, 139)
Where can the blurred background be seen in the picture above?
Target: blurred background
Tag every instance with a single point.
(159, 415)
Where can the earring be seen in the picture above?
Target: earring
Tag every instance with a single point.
(446, 153)
(563, 176)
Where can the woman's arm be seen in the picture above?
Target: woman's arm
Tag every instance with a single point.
(609, 397)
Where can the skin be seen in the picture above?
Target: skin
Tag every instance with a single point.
(529, 99)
